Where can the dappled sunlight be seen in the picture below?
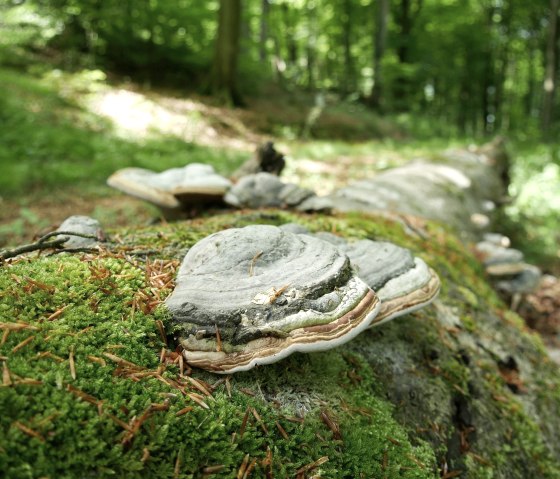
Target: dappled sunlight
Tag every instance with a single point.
(137, 116)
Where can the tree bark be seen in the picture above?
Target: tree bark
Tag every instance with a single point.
(349, 76)
(551, 64)
(224, 79)
(380, 41)
(265, 9)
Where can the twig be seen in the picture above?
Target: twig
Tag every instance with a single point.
(73, 250)
(44, 238)
(42, 243)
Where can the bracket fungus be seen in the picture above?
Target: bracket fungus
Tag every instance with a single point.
(265, 189)
(253, 295)
(507, 266)
(82, 225)
(172, 189)
(403, 283)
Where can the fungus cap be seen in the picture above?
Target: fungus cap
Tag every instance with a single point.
(171, 188)
(254, 295)
(402, 282)
(265, 190)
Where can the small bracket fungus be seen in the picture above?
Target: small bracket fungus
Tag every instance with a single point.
(174, 188)
(82, 225)
(264, 189)
(402, 282)
(506, 266)
(254, 295)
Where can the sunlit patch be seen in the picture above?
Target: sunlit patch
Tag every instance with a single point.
(136, 115)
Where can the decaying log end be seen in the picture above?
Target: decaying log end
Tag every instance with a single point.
(266, 159)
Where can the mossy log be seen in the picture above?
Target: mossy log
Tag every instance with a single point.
(92, 385)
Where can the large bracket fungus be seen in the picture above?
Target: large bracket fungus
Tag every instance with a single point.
(253, 295)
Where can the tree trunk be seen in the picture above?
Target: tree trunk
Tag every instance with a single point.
(312, 38)
(409, 11)
(381, 19)
(405, 22)
(265, 9)
(502, 109)
(224, 81)
(529, 96)
(349, 76)
(551, 61)
(291, 44)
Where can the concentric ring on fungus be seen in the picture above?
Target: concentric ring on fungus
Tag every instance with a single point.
(404, 283)
(254, 295)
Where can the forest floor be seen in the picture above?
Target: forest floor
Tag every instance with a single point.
(64, 134)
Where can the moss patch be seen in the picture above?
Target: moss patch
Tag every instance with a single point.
(91, 387)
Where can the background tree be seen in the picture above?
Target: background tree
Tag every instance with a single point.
(472, 67)
(380, 40)
(551, 66)
(224, 74)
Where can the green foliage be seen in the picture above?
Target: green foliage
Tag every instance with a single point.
(474, 67)
(533, 216)
(48, 140)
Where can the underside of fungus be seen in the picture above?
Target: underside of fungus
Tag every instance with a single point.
(254, 295)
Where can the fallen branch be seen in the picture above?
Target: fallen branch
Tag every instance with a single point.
(42, 243)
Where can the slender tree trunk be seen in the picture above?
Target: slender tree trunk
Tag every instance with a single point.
(224, 81)
(291, 44)
(275, 33)
(265, 9)
(529, 96)
(551, 63)
(489, 86)
(312, 22)
(405, 22)
(380, 41)
(409, 11)
(349, 74)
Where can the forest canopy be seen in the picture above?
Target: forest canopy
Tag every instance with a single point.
(478, 66)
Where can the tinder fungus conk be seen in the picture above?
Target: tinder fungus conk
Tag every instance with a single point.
(403, 283)
(82, 225)
(191, 185)
(254, 295)
(265, 190)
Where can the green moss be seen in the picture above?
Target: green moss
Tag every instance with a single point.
(48, 429)
(391, 403)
